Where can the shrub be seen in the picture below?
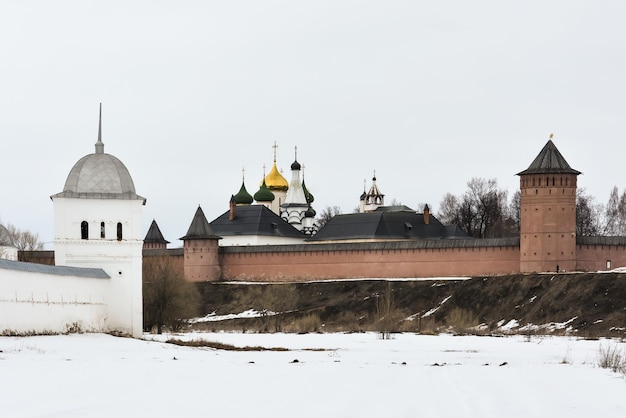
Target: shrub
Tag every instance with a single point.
(461, 320)
(611, 357)
(305, 324)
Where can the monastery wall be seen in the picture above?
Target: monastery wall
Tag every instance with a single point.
(600, 253)
(367, 260)
(174, 255)
(47, 303)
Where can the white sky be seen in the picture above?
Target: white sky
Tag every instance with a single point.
(428, 94)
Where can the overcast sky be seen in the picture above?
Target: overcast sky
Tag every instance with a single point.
(429, 94)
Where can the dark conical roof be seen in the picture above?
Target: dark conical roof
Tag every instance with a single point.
(154, 235)
(200, 228)
(549, 161)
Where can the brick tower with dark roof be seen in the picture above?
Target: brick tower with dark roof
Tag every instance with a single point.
(548, 213)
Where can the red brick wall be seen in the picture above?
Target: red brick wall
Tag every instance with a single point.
(594, 257)
(339, 264)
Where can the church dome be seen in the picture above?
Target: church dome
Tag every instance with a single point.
(275, 181)
(264, 194)
(310, 213)
(309, 196)
(99, 176)
(243, 197)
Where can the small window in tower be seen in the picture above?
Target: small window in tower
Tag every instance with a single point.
(101, 229)
(547, 181)
(553, 181)
(119, 231)
(84, 230)
(608, 264)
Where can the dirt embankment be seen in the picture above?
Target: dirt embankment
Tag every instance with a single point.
(587, 304)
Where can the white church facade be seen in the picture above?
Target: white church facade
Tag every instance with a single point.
(96, 282)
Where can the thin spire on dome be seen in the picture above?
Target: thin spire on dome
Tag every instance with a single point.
(243, 197)
(296, 164)
(274, 180)
(100, 144)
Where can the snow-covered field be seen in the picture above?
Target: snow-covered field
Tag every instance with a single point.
(335, 375)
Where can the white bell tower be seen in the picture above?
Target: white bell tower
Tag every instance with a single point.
(97, 222)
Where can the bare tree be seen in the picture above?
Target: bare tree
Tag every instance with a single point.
(24, 240)
(449, 212)
(611, 222)
(515, 209)
(168, 299)
(614, 221)
(327, 214)
(588, 215)
(481, 212)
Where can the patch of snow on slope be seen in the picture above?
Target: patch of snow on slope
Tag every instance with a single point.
(435, 309)
(513, 323)
(250, 313)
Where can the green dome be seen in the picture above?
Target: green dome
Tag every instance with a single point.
(309, 197)
(264, 194)
(243, 197)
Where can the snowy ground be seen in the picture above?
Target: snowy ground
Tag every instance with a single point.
(354, 375)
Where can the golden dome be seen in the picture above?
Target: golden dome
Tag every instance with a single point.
(275, 181)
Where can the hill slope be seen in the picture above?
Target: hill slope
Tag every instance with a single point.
(590, 304)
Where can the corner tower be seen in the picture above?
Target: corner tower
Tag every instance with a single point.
(200, 247)
(97, 223)
(548, 213)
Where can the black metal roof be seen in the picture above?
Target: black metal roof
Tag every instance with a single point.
(254, 220)
(200, 228)
(376, 246)
(154, 234)
(386, 225)
(549, 161)
(93, 273)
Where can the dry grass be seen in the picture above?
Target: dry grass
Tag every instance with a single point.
(221, 346)
(461, 321)
(306, 324)
(612, 358)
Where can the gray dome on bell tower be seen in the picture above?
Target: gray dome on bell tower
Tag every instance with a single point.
(99, 176)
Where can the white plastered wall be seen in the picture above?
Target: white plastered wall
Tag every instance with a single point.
(242, 240)
(41, 303)
(121, 259)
